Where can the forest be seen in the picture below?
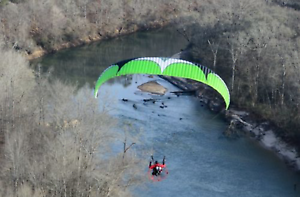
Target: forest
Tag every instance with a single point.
(55, 145)
(53, 24)
(252, 44)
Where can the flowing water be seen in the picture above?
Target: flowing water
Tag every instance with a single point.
(201, 162)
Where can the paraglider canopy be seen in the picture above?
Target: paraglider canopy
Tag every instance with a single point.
(168, 67)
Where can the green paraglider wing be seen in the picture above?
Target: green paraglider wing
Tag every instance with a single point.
(167, 67)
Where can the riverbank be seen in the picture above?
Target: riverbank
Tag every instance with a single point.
(40, 51)
(243, 123)
(214, 103)
(39, 29)
(229, 166)
(251, 124)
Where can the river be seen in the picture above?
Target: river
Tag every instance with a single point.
(201, 162)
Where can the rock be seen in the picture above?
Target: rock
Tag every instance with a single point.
(242, 114)
(203, 100)
(215, 106)
(36, 54)
(269, 140)
(153, 87)
(134, 106)
(147, 100)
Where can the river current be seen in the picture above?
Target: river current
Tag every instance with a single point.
(200, 160)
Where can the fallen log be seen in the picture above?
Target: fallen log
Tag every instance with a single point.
(184, 92)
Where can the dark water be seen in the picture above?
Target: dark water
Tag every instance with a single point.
(200, 160)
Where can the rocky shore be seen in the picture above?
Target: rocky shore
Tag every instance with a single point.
(243, 123)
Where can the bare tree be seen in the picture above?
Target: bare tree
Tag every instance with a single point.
(57, 144)
(214, 49)
(234, 52)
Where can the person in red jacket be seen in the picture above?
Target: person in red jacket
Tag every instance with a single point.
(156, 167)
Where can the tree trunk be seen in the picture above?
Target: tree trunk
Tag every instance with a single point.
(283, 84)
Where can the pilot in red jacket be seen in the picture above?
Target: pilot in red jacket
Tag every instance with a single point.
(157, 168)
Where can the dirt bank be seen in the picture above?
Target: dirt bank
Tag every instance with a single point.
(40, 51)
